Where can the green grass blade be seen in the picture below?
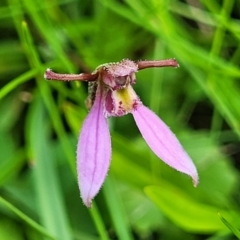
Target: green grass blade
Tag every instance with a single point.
(49, 195)
(232, 228)
(117, 211)
(26, 219)
(98, 221)
(17, 81)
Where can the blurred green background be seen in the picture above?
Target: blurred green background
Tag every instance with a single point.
(142, 198)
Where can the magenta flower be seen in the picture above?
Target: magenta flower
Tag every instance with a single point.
(111, 94)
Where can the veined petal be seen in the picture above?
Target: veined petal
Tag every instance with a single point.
(163, 142)
(93, 151)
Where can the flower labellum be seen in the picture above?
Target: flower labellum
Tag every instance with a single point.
(111, 95)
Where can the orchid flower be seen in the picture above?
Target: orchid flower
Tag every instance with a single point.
(111, 94)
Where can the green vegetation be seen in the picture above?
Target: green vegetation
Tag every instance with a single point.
(142, 198)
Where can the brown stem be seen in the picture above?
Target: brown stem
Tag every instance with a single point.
(50, 75)
(157, 63)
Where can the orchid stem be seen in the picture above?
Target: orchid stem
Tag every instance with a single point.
(98, 222)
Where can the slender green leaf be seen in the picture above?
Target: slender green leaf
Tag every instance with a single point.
(26, 219)
(183, 211)
(49, 194)
(231, 227)
(117, 210)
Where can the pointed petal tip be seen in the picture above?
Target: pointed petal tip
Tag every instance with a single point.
(195, 179)
(88, 203)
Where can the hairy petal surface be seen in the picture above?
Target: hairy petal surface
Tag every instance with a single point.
(93, 151)
(163, 142)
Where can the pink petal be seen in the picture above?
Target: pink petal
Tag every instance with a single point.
(163, 142)
(93, 151)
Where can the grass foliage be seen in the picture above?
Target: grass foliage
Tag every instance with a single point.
(142, 198)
